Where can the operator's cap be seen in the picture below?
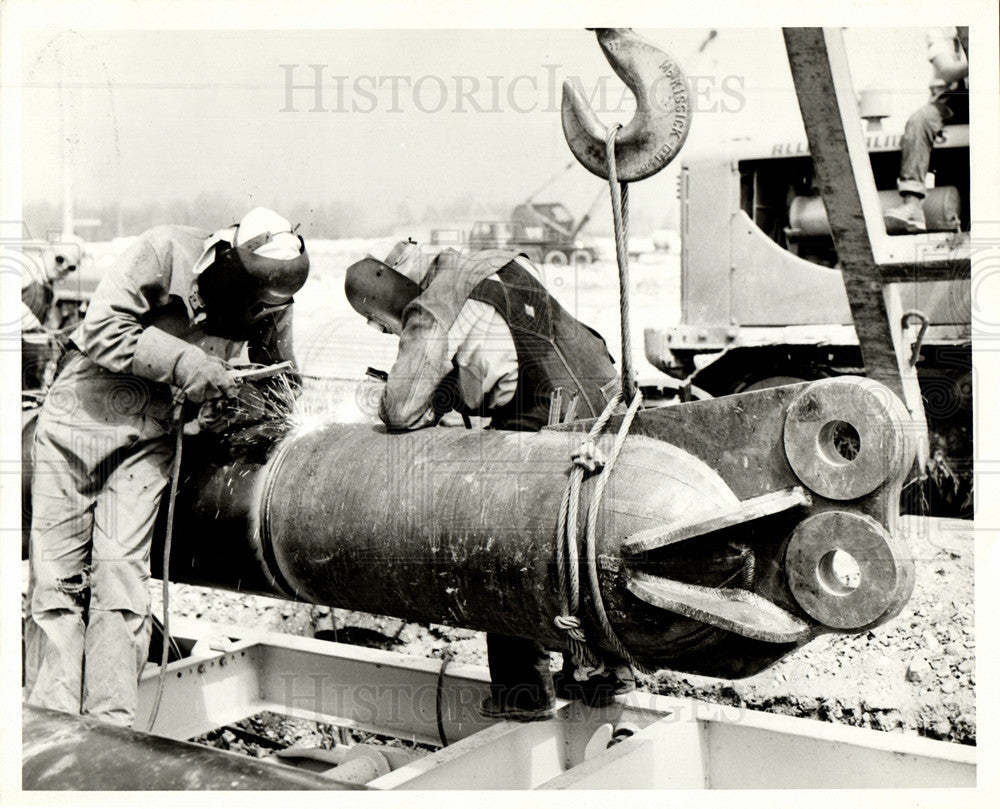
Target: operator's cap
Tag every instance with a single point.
(406, 257)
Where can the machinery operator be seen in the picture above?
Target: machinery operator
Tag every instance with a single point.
(480, 334)
(163, 326)
(947, 51)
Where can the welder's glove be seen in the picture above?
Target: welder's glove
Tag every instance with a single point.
(161, 357)
(204, 376)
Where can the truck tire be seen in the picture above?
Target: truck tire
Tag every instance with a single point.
(556, 258)
(580, 257)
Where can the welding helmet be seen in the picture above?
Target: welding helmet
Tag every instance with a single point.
(250, 273)
(377, 287)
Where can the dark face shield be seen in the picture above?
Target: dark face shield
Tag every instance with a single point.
(379, 293)
(241, 289)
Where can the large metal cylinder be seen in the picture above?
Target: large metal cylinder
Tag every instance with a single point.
(445, 525)
(714, 543)
(62, 751)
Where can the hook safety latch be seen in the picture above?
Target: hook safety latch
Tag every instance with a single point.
(662, 118)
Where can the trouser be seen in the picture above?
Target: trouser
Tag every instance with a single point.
(519, 672)
(101, 464)
(922, 129)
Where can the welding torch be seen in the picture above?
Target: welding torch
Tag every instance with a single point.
(213, 414)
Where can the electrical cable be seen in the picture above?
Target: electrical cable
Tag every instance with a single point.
(439, 695)
(175, 473)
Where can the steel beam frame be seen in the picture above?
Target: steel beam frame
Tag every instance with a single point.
(234, 673)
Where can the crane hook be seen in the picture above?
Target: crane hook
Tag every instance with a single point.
(662, 118)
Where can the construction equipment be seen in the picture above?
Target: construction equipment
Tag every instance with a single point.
(434, 526)
(545, 232)
(772, 287)
(717, 548)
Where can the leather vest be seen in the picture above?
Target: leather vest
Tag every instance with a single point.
(555, 352)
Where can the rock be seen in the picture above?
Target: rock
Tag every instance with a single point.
(931, 644)
(881, 663)
(967, 666)
(948, 685)
(228, 737)
(941, 727)
(954, 649)
(918, 669)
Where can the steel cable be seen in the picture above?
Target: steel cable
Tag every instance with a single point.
(585, 655)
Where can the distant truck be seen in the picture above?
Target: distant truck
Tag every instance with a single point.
(545, 232)
(763, 304)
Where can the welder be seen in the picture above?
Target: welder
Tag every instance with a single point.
(162, 329)
(482, 336)
(40, 347)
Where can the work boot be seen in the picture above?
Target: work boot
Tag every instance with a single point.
(517, 710)
(906, 218)
(598, 690)
(521, 684)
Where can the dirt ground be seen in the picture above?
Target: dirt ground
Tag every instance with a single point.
(915, 675)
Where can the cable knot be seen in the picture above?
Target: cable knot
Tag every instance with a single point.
(570, 624)
(588, 457)
(583, 672)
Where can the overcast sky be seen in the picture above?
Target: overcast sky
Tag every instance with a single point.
(412, 115)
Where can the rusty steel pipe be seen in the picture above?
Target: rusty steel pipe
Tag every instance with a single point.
(716, 539)
(440, 525)
(61, 751)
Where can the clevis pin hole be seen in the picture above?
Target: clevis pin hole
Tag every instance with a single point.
(839, 442)
(839, 572)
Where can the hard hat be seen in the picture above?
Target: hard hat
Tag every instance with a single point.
(272, 254)
(406, 257)
(251, 270)
(379, 292)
